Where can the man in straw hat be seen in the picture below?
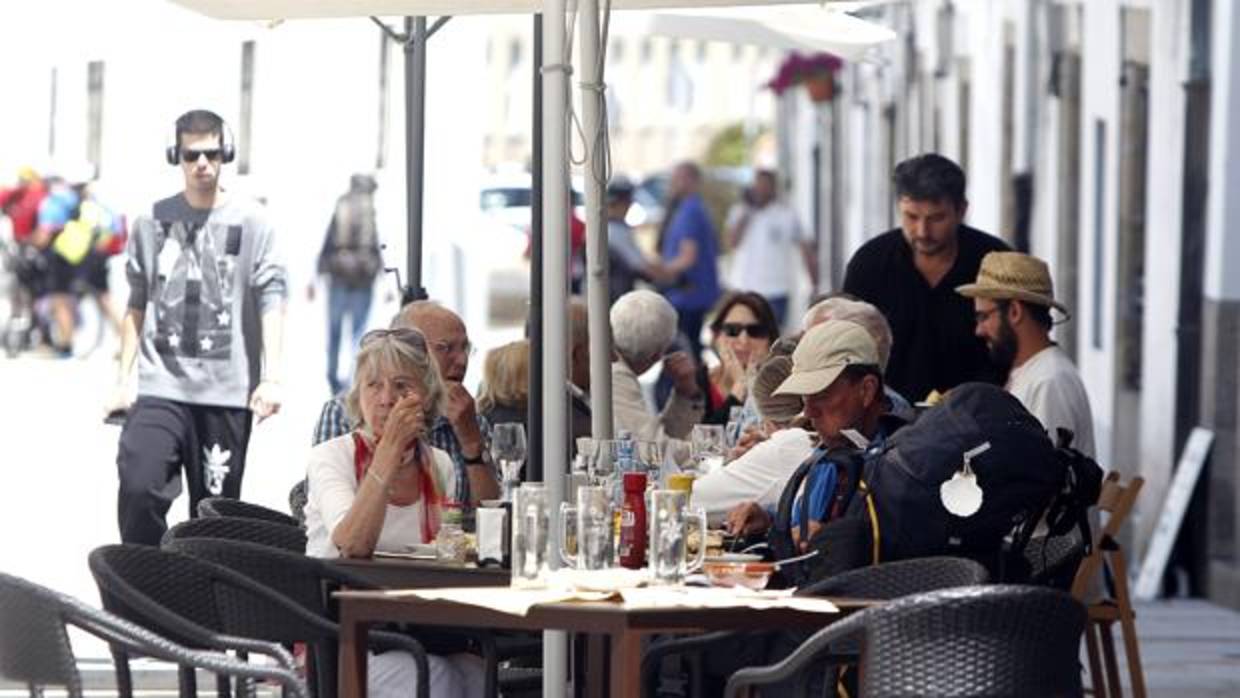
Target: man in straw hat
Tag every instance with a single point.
(1012, 301)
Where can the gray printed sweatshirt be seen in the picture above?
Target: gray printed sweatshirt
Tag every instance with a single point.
(202, 279)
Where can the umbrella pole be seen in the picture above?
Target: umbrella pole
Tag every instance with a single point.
(534, 461)
(555, 307)
(415, 135)
(597, 262)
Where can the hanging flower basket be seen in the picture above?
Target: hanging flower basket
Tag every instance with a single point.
(821, 87)
(816, 72)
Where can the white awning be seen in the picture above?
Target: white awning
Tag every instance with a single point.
(306, 9)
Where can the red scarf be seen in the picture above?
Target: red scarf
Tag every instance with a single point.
(432, 501)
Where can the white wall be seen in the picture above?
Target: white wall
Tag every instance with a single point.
(1222, 244)
(1099, 101)
(1164, 222)
(986, 178)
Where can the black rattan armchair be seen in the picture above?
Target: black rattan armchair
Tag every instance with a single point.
(1002, 640)
(309, 582)
(258, 531)
(35, 648)
(227, 506)
(200, 601)
(889, 580)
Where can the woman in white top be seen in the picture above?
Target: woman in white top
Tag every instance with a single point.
(383, 487)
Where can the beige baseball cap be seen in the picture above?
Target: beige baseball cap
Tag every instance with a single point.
(822, 354)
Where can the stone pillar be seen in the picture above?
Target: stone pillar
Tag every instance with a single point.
(1221, 309)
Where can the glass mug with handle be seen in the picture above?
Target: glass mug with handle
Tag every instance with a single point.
(508, 449)
(670, 521)
(710, 446)
(592, 520)
(530, 535)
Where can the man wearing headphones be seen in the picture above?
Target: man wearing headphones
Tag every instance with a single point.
(207, 297)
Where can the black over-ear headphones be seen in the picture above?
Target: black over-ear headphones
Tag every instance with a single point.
(228, 148)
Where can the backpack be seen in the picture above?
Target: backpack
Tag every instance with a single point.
(351, 252)
(892, 510)
(844, 542)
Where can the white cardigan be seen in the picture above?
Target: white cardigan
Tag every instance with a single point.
(332, 484)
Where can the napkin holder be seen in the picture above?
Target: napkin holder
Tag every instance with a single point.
(494, 537)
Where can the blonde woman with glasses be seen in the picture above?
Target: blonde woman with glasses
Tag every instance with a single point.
(382, 486)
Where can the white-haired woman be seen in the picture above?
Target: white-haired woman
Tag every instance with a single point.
(382, 486)
(643, 325)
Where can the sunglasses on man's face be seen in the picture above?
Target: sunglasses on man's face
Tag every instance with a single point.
(754, 330)
(190, 156)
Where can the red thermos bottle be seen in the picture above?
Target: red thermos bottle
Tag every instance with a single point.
(633, 522)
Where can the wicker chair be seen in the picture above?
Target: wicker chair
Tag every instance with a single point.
(34, 644)
(307, 580)
(209, 605)
(226, 506)
(266, 533)
(1016, 641)
(890, 580)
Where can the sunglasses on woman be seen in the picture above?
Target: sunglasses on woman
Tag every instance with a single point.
(404, 335)
(753, 329)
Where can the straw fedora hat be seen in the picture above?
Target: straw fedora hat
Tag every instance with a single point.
(1014, 276)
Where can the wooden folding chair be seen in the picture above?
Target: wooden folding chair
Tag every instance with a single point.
(1107, 558)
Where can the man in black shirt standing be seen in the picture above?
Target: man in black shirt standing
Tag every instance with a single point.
(911, 272)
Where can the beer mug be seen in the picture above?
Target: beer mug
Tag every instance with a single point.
(670, 520)
(530, 535)
(592, 521)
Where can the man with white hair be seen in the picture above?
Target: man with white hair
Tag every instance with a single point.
(643, 326)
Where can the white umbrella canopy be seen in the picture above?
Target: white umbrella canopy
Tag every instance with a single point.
(308, 9)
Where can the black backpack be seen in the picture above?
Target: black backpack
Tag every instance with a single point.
(893, 510)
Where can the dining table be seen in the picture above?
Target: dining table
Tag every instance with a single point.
(409, 572)
(624, 624)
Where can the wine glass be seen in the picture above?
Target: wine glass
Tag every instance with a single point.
(709, 446)
(508, 449)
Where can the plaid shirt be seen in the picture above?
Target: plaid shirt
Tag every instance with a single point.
(334, 421)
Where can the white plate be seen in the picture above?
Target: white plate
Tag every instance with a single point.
(734, 557)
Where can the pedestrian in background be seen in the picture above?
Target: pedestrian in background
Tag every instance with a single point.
(349, 261)
(207, 294)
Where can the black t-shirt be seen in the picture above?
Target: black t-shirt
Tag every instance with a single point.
(933, 347)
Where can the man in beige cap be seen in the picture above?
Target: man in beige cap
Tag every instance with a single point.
(835, 369)
(1012, 301)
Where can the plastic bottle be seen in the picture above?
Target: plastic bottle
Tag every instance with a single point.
(633, 522)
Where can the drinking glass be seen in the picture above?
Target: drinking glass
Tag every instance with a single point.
(592, 523)
(670, 519)
(508, 449)
(530, 534)
(709, 446)
(650, 460)
(736, 415)
(601, 462)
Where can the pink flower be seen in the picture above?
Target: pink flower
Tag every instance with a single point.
(796, 68)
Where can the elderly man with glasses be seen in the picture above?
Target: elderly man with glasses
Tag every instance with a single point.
(459, 430)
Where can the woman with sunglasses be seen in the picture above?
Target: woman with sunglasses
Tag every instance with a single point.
(383, 486)
(743, 329)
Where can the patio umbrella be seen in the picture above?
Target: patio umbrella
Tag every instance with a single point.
(555, 181)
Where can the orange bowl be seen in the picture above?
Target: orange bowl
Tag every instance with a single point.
(752, 575)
